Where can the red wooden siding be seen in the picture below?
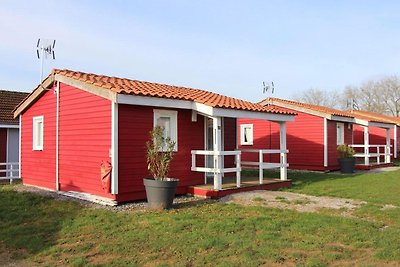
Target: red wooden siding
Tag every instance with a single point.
(135, 122)
(84, 140)
(229, 142)
(333, 162)
(305, 141)
(304, 138)
(38, 167)
(3, 149)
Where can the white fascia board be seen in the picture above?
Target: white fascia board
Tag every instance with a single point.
(11, 126)
(96, 90)
(343, 119)
(153, 101)
(361, 122)
(200, 108)
(381, 125)
(303, 110)
(236, 113)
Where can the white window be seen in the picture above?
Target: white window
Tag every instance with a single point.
(340, 133)
(246, 134)
(37, 133)
(168, 120)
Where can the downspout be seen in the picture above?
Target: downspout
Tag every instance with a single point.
(57, 133)
(114, 147)
(325, 142)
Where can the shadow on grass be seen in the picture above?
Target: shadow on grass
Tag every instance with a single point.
(30, 223)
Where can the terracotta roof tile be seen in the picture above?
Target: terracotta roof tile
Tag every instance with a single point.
(8, 101)
(375, 116)
(141, 88)
(322, 109)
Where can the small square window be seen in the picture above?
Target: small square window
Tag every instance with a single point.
(246, 134)
(37, 133)
(340, 133)
(168, 120)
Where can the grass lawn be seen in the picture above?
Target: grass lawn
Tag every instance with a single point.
(44, 231)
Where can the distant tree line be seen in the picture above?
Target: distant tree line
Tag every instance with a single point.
(380, 96)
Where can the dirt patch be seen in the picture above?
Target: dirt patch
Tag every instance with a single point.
(294, 201)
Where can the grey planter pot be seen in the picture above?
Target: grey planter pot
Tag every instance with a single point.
(347, 165)
(160, 194)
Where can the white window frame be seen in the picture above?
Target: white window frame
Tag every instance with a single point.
(339, 133)
(242, 131)
(35, 121)
(173, 115)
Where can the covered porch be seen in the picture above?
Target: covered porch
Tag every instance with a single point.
(223, 168)
(372, 155)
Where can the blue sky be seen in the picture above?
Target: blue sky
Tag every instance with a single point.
(228, 47)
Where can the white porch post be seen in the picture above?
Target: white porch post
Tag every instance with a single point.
(387, 148)
(282, 138)
(217, 139)
(366, 145)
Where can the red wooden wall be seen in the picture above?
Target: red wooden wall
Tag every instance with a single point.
(229, 142)
(135, 122)
(304, 139)
(3, 149)
(38, 167)
(84, 140)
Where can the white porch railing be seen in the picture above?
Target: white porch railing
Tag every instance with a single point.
(215, 170)
(11, 171)
(260, 163)
(379, 150)
(268, 165)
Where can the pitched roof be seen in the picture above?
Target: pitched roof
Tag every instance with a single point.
(316, 108)
(376, 116)
(325, 111)
(8, 101)
(142, 88)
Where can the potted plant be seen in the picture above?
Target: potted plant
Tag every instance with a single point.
(160, 189)
(346, 158)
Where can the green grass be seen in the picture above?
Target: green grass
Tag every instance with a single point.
(49, 232)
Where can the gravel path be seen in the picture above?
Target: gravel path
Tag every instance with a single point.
(294, 201)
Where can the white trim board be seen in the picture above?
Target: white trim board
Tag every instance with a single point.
(9, 126)
(199, 107)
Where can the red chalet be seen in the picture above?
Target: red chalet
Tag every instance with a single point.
(9, 133)
(313, 137)
(74, 121)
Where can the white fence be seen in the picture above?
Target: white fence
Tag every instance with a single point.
(11, 171)
(216, 169)
(218, 157)
(268, 165)
(377, 152)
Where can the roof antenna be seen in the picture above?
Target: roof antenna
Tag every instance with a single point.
(267, 87)
(45, 49)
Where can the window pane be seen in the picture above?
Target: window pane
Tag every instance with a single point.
(165, 124)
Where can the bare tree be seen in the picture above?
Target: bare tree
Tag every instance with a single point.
(382, 96)
(319, 97)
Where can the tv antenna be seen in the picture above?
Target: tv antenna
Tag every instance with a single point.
(268, 86)
(353, 105)
(44, 50)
